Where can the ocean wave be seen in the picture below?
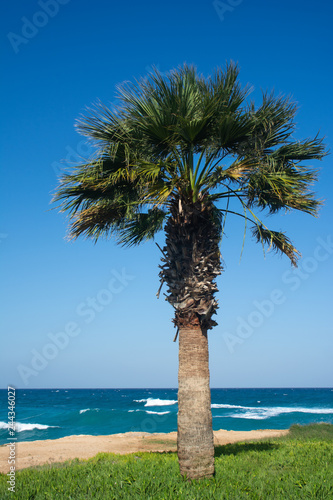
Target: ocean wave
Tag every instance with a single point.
(157, 402)
(264, 413)
(215, 405)
(89, 409)
(157, 412)
(19, 427)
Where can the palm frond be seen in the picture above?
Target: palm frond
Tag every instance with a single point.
(98, 220)
(141, 227)
(278, 241)
(308, 149)
(272, 122)
(224, 91)
(275, 187)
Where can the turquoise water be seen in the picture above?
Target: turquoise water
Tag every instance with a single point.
(54, 413)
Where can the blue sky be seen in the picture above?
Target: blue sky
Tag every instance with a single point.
(75, 314)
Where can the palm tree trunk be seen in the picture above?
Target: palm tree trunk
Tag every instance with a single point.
(195, 442)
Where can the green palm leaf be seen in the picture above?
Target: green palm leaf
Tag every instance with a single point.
(278, 241)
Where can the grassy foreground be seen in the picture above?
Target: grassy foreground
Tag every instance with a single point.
(299, 465)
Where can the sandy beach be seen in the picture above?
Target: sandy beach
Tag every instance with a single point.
(32, 453)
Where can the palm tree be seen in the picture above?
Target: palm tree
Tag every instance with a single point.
(179, 153)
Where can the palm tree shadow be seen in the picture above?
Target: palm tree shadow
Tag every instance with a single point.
(236, 448)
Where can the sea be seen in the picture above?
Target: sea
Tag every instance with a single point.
(55, 413)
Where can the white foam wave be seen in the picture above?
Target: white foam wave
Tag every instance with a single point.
(157, 402)
(157, 412)
(89, 409)
(215, 405)
(266, 412)
(19, 427)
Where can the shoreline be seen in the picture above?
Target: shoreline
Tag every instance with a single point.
(49, 451)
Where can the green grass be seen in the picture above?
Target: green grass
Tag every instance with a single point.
(295, 466)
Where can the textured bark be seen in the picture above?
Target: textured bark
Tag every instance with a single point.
(192, 262)
(195, 441)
